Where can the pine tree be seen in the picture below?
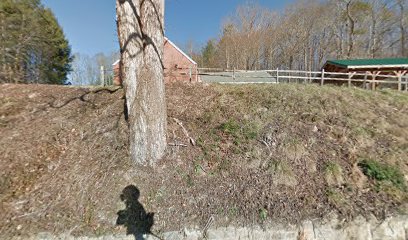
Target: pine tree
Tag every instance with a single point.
(33, 47)
(209, 54)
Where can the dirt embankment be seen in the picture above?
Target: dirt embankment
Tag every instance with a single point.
(282, 153)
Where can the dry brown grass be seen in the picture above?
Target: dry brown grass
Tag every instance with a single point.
(291, 150)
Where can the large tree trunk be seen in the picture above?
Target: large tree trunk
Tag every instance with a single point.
(141, 36)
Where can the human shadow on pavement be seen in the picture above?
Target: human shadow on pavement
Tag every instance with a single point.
(134, 216)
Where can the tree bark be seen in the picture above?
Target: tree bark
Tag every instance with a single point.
(402, 27)
(141, 37)
(351, 29)
(373, 30)
(3, 71)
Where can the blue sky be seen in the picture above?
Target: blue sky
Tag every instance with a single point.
(90, 24)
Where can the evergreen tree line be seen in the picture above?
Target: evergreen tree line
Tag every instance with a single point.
(307, 34)
(33, 47)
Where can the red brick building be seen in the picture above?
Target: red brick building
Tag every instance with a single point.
(178, 66)
(116, 78)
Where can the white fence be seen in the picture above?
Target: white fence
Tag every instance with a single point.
(369, 80)
(106, 76)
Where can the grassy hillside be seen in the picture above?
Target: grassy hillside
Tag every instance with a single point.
(262, 153)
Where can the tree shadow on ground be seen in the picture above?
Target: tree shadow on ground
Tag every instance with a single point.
(134, 216)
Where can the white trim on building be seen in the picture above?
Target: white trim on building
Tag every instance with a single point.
(117, 62)
(178, 49)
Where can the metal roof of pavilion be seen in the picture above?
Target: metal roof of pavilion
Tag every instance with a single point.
(370, 63)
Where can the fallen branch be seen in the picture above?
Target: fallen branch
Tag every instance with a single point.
(185, 131)
(268, 145)
(207, 226)
(177, 145)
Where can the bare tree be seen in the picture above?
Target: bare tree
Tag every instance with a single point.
(310, 32)
(141, 37)
(242, 44)
(402, 25)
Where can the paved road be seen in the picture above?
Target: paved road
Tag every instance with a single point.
(240, 78)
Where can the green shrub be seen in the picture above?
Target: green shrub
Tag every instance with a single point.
(335, 197)
(333, 168)
(246, 130)
(250, 131)
(230, 127)
(263, 214)
(383, 172)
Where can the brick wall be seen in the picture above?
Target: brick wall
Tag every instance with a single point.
(177, 66)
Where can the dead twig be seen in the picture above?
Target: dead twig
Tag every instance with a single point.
(192, 142)
(177, 145)
(207, 226)
(267, 145)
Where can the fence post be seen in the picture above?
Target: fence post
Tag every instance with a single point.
(233, 74)
(406, 83)
(322, 79)
(399, 82)
(102, 76)
(365, 81)
(350, 76)
(190, 74)
(306, 76)
(277, 75)
(400, 74)
(375, 74)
